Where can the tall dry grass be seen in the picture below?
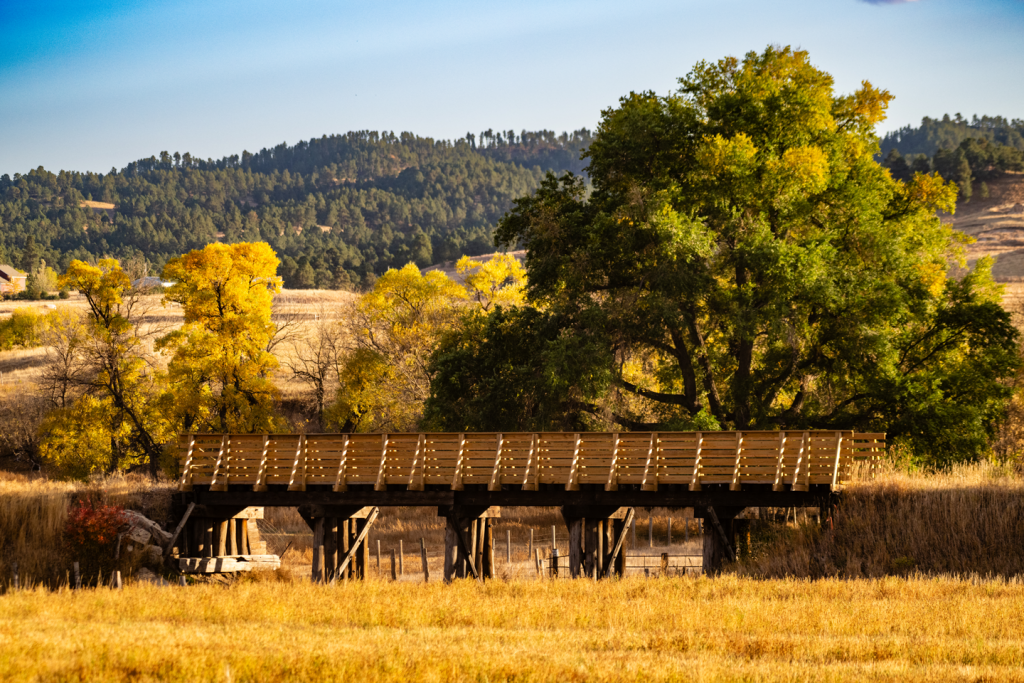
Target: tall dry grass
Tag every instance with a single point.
(967, 520)
(33, 513)
(723, 629)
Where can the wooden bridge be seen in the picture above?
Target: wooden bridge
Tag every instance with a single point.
(597, 478)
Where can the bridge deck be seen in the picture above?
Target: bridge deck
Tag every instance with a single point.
(427, 465)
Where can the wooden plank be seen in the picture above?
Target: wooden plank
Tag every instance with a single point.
(416, 482)
(613, 474)
(695, 479)
(177, 529)
(261, 474)
(835, 467)
(380, 484)
(459, 464)
(802, 454)
(225, 565)
(360, 540)
(340, 481)
(495, 483)
(186, 476)
(572, 484)
(734, 485)
(650, 480)
(298, 478)
(214, 484)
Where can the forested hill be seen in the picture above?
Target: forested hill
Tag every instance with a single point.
(948, 132)
(337, 209)
(969, 153)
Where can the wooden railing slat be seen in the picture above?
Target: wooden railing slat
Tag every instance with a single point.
(414, 460)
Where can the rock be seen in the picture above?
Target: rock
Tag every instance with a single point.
(139, 535)
(141, 523)
(146, 576)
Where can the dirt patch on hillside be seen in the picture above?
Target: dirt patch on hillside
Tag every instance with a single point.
(997, 223)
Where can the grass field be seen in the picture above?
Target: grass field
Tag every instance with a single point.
(678, 629)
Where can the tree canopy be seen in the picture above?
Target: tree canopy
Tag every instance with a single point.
(742, 261)
(219, 372)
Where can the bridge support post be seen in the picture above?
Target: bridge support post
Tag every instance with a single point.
(596, 539)
(468, 541)
(719, 538)
(345, 539)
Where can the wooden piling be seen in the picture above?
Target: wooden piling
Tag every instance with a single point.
(423, 560)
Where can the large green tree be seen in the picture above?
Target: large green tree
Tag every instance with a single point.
(752, 265)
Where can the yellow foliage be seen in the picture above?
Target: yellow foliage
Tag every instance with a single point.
(498, 282)
(931, 193)
(104, 286)
(220, 369)
(932, 275)
(78, 439)
(806, 167)
(397, 326)
(734, 156)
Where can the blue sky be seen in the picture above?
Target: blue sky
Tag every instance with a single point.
(92, 85)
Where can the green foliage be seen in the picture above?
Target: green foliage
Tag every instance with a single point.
(742, 261)
(515, 370)
(949, 132)
(960, 151)
(336, 209)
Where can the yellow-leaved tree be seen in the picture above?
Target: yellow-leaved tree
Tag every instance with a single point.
(219, 373)
(395, 328)
(104, 380)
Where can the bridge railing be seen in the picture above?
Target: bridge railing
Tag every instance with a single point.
(787, 460)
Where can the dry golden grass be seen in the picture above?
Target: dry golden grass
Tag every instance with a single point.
(33, 513)
(727, 628)
(969, 519)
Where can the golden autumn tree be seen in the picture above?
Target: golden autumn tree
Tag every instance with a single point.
(220, 369)
(107, 418)
(396, 327)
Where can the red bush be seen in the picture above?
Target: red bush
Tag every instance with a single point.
(90, 535)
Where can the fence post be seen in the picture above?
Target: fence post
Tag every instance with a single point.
(650, 531)
(378, 556)
(401, 558)
(78, 576)
(508, 546)
(554, 563)
(14, 570)
(394, 569)
(529, 550)
(423, 559)
(669, 543)
(664, 564)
